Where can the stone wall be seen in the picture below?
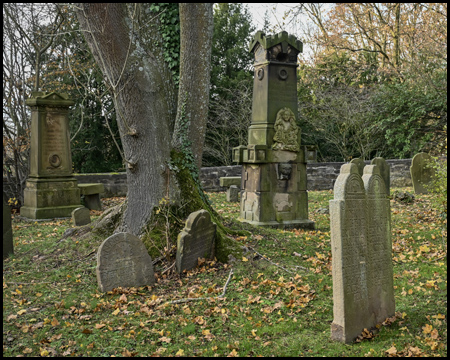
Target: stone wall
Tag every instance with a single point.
(321, 176)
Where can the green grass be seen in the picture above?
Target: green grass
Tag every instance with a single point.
(52, 305)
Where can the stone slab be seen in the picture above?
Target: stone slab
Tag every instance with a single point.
(90, 189)
(123, 260)
(230, 180)
(195, 241)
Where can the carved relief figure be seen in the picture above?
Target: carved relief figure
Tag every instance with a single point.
(286, 131)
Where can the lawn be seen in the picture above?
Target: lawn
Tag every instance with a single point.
(278, 299)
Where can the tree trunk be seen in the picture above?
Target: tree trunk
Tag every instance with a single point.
(196, 30)
(126, 44)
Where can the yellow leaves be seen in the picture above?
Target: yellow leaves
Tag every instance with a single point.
(427, 328)
(18, 292)
(391, 351)
(115, 312)
(99, 326)
(44, 352)
(438, 316)
(165, 339)
(180, 353)
(21, 312)
(244, 259)
(54, 322)
(233, 353)
(424, 248)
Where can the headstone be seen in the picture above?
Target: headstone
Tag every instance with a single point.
(421, 172)
(51, 190)
(363, 293)
(385, 172)
(273, 163)
(360, 164)
(380, 275)
(81, 216)
(123, 260)
(195, 241)
(233, 193)
(8, 245)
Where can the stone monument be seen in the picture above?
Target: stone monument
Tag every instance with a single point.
(81, 216)
(51, 190)
(385, 172)
(363, 292)
(421, 172)
(360, 164)
(123, 260)
(273, 189)
(196, 240)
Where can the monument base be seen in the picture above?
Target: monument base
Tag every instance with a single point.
(46, 198)
(291, 224)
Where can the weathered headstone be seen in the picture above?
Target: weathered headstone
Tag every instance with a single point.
(51, 190)
(421, 172)
(385, 172)
(81, 216)
(349, 255)
(8, 245)
(273, 163)
(233, 193)
(196, 240)
(380, 276)
(360, 164)
(123, 260)
(363, 293)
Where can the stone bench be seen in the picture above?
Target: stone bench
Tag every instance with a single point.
(233, 183)
(91, 193)
(230, 180)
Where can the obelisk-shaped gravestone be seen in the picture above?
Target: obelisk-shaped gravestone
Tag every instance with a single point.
(273, 189)
(51, 190)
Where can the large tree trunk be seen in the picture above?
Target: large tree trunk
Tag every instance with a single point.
(195, 69)
(126, 44)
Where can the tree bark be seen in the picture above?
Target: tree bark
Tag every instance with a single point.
(195, 69)
(126, 44)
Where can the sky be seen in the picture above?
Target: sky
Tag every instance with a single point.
(276, 12)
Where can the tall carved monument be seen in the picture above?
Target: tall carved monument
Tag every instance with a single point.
(273, 163)
(51, 190)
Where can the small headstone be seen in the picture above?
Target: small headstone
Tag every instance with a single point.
(123, 260)
(8, 245)
(363, 291)
(385, 172)
(360, 164)
(233, 193)
(196, 240)
(81, 216)
(421, 172)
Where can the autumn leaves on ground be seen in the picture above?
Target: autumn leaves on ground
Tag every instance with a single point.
(277, 301)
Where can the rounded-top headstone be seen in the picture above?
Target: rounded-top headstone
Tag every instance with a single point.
(421, 172)
(81, 216)
(123, 260)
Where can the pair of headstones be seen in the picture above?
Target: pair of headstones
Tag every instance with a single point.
(385, 170)
(363, 292)
(123, 260)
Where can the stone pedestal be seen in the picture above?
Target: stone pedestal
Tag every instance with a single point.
(273, 163)
(51, 190)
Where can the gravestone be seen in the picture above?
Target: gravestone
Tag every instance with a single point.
(81, 216)
(360, 164)
(233, 193)
(8, 245)
(380, 275)
(123, 260)
(385, 172)
(421, 172)
(51, 190)
(363, 292)
(195, 241)
(273, 163)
